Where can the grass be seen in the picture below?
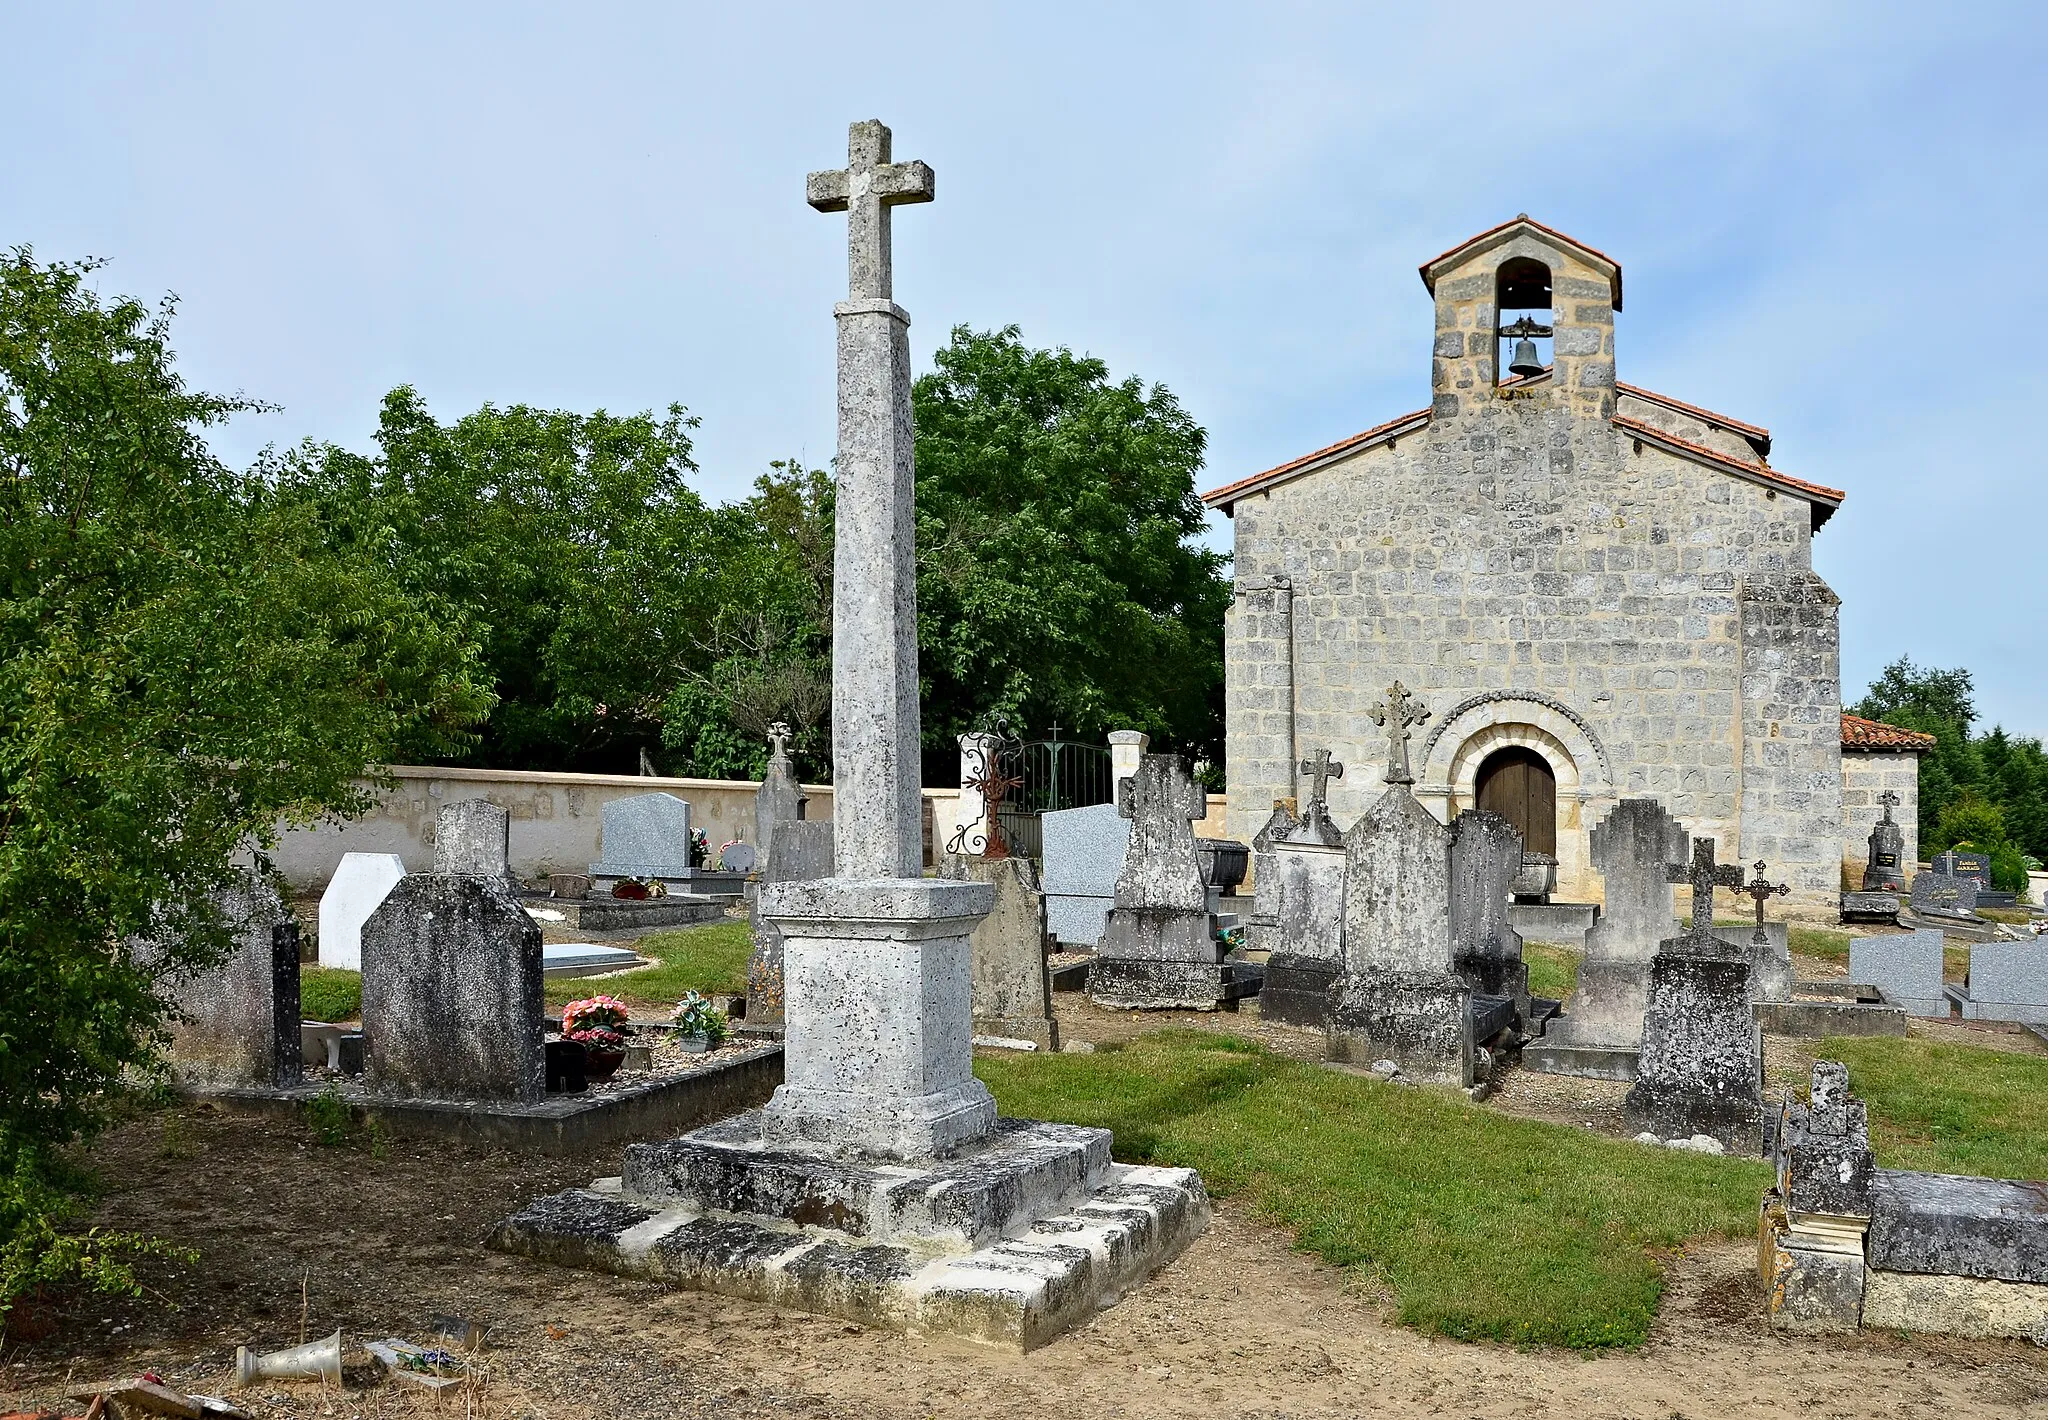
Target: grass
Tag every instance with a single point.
(703, 959)
(1553, 969)
(1818, 942)
(1479, 1224)
(330, 994)
(2011, 916)
(1950, 1108)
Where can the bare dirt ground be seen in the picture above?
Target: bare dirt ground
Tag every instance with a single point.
(1240, 1326)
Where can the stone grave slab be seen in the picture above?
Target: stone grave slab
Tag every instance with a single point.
(643, 836)
(1083, 851)
(1870, 907)
(2008, 981)
(452, 1003)
(563, 959)
(1630, 847)
(1298, 906)
(802, 854)
(1942, 895)
(359, 886)
(1770, 962)
(1012, 988)
(1486, 860)
(237, 1021)
(1960, 1226)
(1906, 968)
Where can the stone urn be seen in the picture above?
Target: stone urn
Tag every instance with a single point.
(1538, 878)
(1224, 862)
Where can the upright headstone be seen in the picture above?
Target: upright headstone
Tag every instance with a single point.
(2007, 981)
(236, 1021)
(1818, 1214)
(1702, 1063)
(1083, 851)
(452, 1005)
(1945, 895)
(1012, 988)
(1769, 945)
(780, 799)
(1158, 950)
(1957, 863)
(1400, 997)
(1298, 903)
(800, 852)
(1486, 858)
(358, 888)
(1886, 870)
(643, 836)
(1630, 848)
(877, 968)
(473, 838)
(1906, 967)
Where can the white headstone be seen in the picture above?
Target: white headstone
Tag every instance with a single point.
(358, 888)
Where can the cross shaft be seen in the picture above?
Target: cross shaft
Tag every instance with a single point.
(1703, 876)
(865, 189)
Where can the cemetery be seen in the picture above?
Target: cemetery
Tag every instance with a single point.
(1478, 1021)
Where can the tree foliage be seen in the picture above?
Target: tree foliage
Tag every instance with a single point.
(186, 658)
(1058, 579)
(1988, 792)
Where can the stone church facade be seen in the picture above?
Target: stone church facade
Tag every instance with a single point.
(1598, 591)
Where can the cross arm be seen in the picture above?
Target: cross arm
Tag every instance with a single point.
(896, 183)
(1728, 875)
(828, 191)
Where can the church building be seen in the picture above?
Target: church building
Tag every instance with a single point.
(1597, 591)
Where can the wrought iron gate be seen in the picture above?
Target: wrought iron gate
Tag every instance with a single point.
(1050, 774)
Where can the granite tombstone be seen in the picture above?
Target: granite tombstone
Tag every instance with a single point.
(643, 836)
(1906, 968)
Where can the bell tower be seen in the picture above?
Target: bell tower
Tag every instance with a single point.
(1523, 311)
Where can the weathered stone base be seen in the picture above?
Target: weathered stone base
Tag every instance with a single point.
(1818, 1019)
(1296, 989)
(1606, 1008)
(1420, 1021)
(1870, 907)
(1956, 1306)
(1126, 985)
(618, 914)
(924, 1257)
(1701, 1069)
(1043, 1033)
(1556, 1055)
(1564, 924)
(1813, 1274)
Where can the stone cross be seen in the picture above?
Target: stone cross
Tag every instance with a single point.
(1320, 771)
(1890, 801)
(778, 741)
(1762, 891)
(1703, 877)
(865, 189)
(1397, 712)
(876, 756)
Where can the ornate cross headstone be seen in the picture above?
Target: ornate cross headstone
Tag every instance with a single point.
(778, 742)
(1889, 801)
(1703, 876)
(1885, 871)
(1397, 713)
(1762, 891)
(1320, 771)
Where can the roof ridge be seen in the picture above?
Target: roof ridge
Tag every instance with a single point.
(1740, 426)
(1727, 461)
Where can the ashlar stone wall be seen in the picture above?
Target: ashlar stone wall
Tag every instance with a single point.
(1650, 624)
(1865, 775)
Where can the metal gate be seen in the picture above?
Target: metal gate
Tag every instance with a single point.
(1048, 775)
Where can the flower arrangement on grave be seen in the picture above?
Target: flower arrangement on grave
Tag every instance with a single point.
(598, 1024)
(700, 848)
(698, 1020)
(639, 889)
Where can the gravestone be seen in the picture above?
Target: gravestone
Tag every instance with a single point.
(1400, 996)
(359, 886)
(1012, 989)
(1907, 968)
(1630, 847)
(473, 837)
(2007, 981)
(801, 852)
(780, 799)
(738, 858)
(1486, 859)
(1298, 920)
(1083, 852)
(1701, 1066)
(1769, 944)
(1944, 895)
(1886, 870)
(1959, 864)
(643, 836)
(1157, 949)
(452, 1004)
(236, 1022)
(1818, 1214)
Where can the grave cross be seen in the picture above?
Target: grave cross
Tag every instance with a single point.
(865, 189)
(1320, 771)
(1397, 712)
(1890, 801)
(1762, 891)
(1703, 877)
(778, 740)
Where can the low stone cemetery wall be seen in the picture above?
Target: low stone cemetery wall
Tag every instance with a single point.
(555, 817)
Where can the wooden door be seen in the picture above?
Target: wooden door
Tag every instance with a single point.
(1518, 785)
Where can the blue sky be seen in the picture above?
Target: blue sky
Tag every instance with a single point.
(1829, 218)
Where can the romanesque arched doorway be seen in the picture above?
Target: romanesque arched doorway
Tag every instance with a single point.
(1518, 784)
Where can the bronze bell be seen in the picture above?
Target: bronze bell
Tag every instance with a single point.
(1525, 361)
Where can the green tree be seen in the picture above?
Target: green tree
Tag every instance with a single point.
(185, 659)
(1058, 577)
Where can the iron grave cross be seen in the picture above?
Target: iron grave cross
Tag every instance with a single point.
(865, 189)
(1890, 801)
(1704, 877)
(1397, 712)
(1762, 891)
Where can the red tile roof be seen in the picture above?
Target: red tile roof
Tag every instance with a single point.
(1524, 220)
(1223, 497)
(1755, 433)
(1859, 733)
(1824, 499)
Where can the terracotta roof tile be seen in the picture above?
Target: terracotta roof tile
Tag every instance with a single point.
(1755, 433)
(1859, 733)
(1231, 492)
